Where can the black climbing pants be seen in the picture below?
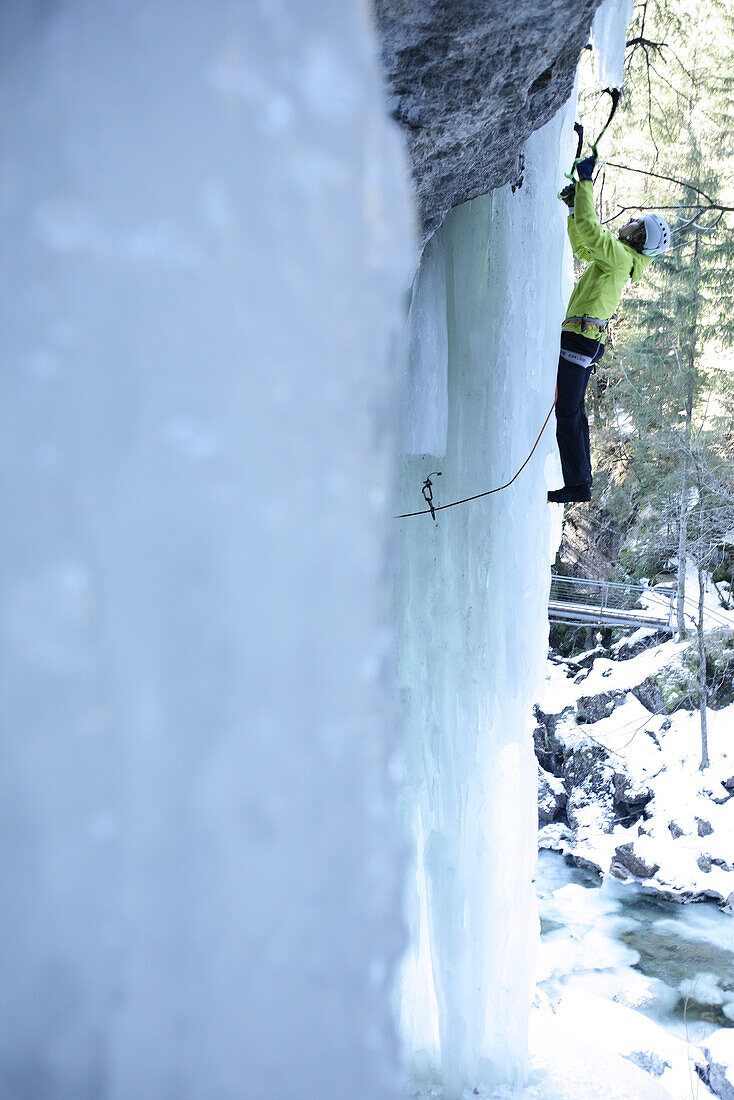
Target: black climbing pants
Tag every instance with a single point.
(572, 427)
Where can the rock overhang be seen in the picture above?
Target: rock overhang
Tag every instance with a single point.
(469, 81)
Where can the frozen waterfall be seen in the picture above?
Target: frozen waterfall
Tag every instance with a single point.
(472, 595)
(472, 606)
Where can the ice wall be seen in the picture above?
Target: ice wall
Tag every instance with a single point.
(472, 600)
(206, 237)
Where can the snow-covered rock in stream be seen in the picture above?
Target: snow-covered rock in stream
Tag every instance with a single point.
(718, 1063)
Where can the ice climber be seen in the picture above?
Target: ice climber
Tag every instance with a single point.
(611, 261)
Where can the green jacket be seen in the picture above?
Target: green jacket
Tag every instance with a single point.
(610, 263)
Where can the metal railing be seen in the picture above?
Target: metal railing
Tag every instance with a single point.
(584, 600)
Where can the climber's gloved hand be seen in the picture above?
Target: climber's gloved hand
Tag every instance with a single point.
(585, 167)
(567, 195)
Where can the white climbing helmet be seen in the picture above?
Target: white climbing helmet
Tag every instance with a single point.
(657, 235)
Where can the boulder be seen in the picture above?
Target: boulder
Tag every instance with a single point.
(626, 862)
(705, 828)
(675, 829)
(704, 863)
(573, 859)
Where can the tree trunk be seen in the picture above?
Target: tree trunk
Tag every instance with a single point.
(683, 517)
(702, 688)
(683, 513)
(681, 577)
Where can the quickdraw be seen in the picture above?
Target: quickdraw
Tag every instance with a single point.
(428, 494)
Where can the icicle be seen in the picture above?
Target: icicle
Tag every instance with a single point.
(608, 37)
(426, 396)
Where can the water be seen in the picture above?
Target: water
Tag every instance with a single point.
(672, 962)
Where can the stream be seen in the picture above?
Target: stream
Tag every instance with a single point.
(674, 963)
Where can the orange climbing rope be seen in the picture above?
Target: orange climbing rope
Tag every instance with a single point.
(433, 508)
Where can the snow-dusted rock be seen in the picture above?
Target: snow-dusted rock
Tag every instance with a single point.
(551, 797)
(718, 1053)
(631, 795)
(626, 862)
(592, 708)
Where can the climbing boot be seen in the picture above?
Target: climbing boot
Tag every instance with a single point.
(569, 494)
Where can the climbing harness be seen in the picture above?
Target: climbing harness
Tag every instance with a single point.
(615, 94)
(428, 488)
(596, 322)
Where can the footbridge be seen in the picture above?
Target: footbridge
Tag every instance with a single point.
(584, 601)
(587, 602)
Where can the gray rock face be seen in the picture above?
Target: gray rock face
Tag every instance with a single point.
(469, 81)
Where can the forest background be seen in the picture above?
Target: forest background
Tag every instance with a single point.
(661, 403)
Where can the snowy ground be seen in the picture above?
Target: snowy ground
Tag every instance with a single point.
(589, 1048)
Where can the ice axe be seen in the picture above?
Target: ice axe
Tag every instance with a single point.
(615, 94)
